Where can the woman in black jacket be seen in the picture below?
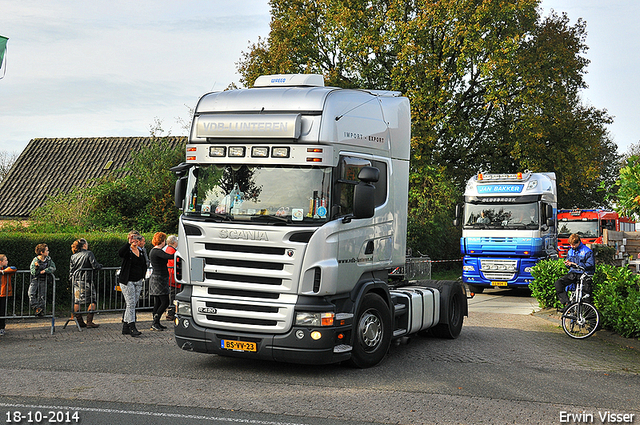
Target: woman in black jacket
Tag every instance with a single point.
(159, 282)
(131, 279)
(81, 267)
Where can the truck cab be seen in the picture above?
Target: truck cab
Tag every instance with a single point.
(294, 200)
(508, 225)
(589, 224)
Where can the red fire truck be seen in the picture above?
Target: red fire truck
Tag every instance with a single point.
(589, 225)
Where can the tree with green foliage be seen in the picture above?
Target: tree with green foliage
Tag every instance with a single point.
(138, 196)
(430, 227)
(493, 86)
(625, 192)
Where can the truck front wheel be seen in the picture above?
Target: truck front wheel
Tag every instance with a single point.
(373, 332)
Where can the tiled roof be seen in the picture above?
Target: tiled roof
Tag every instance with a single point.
(49, 166)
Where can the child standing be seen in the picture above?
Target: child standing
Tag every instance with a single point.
(6, 289)
(42, 269)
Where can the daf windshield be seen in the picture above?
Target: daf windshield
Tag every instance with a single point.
(500, 216)
(584, 229)
(271, 194)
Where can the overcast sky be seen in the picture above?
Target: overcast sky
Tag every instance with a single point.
(95, 68)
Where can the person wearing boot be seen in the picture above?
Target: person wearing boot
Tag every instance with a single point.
(159, 282)
(42, 269)
(131, 280)
(82, 266)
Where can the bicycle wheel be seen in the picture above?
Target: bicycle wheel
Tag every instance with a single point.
(580, 320)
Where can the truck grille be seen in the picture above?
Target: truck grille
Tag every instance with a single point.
(247, 288)
(248, 249)
(242, 278)
(499, 269)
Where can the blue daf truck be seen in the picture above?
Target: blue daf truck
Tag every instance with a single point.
(508, 225)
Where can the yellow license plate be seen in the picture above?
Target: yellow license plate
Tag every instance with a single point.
(498, 283)
(238, 345)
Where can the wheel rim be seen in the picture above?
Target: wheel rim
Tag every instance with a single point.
(580, 320)
(370, 327)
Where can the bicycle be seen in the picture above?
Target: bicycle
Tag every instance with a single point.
(581, 319)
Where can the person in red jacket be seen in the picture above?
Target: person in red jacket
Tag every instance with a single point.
(172, 245)
(6, 289)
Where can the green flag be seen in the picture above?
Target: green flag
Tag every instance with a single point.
(3, 48)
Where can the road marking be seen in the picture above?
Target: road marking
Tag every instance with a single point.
(143, 413)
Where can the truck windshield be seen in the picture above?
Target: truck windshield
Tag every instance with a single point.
(268, 194)
(509, 216)
(584, 229)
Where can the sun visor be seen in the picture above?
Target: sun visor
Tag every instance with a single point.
(263, 126)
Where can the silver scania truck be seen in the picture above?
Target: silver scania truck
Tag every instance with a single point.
(294, 210)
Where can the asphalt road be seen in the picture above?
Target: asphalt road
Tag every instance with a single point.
(507, 366)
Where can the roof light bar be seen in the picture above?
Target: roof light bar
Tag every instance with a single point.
(236, 151)
(280, 152)
(260, 152)
(217, 151)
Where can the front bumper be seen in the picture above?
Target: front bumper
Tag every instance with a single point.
(295, 346)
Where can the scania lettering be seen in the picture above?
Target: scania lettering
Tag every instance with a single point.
(294, 211)
(508, 225)
(244, 234)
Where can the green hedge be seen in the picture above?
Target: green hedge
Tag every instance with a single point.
(20, 249)
(545, 274)
(616, 294)
(618, 300)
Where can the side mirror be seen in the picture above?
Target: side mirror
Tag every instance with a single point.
(179, 192)
(181, 184)
(369, 174)
(456, 220)
(364, 193)
(549, 214)
(364, 200)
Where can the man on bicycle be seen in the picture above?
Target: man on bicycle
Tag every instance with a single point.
(578, 255)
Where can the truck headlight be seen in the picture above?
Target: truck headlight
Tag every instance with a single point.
(527, 270)
(314, 319)
(468, 268)
(183, 308)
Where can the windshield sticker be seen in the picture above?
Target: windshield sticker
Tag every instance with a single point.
(322, 212)
(297, 214)
(282, 212)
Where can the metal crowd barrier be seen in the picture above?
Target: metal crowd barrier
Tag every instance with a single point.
(108, 297)
(415, 268)
(107, 293)
(18, 306)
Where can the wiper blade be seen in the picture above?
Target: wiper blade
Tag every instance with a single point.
(223, 217)
(273, 218)
(479, 225)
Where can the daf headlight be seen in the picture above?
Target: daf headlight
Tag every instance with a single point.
(468, 268)
(314, 319)
(527, 270)
(183, 308)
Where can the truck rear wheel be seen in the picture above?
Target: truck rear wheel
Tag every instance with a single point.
(372, 333)
(452, 329)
